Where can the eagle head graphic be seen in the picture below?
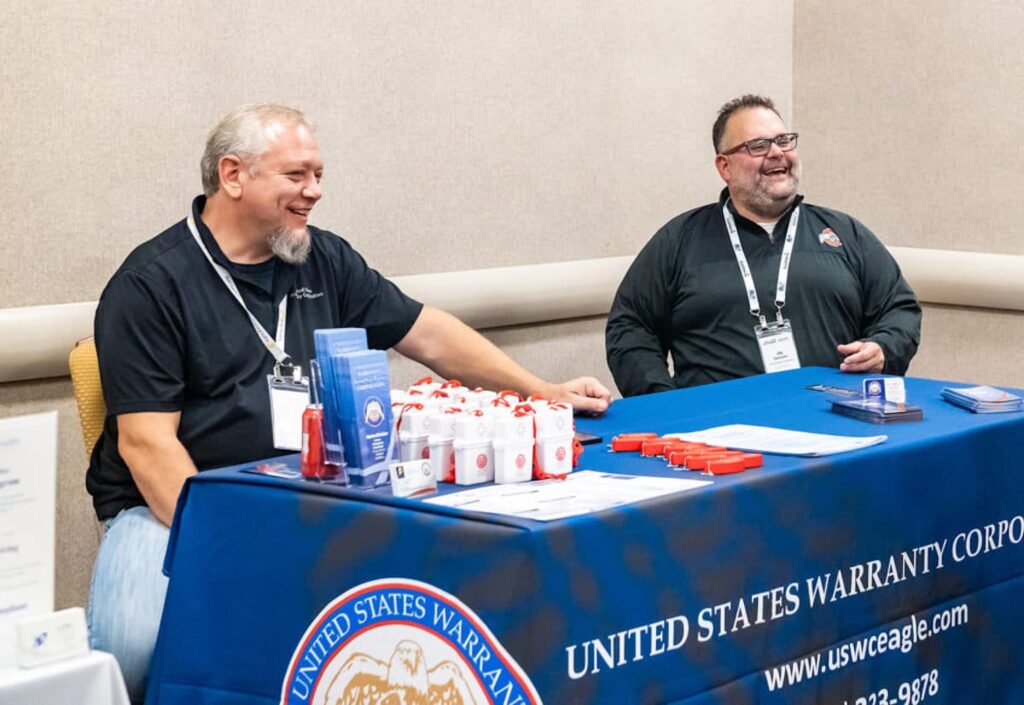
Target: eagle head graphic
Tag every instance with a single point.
(404, 680)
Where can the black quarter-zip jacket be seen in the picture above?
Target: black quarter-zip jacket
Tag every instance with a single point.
(684, 296)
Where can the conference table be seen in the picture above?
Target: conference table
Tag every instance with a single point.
(889, 574)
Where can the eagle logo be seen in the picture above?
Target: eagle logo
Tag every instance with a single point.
(405, 680)
(397, 641)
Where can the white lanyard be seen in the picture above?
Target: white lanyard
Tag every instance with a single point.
(748, 280)
(275, 346)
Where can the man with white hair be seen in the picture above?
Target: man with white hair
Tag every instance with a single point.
(760, 281)
(184, 349)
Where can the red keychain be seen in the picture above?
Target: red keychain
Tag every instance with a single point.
(653, 447)
(725, 465)
(630, 442)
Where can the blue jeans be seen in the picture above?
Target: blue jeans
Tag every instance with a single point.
(126, 598)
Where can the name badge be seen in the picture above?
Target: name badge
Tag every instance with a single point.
(777, 345)
(412, 477)
(289, 397)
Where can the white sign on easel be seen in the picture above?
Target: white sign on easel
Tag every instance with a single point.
(28, 506)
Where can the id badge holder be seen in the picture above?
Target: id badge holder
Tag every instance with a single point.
(289, 397)
(777, 345)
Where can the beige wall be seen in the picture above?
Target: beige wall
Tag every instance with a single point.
(568, 130)
(457, 135)
(910, 116)
(531, 131)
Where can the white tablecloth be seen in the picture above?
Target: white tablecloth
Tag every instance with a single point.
(93, 679)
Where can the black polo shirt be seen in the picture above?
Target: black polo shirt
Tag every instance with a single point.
(170, 337)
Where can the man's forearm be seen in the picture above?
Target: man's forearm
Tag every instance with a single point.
(452, 349)
(167, 466)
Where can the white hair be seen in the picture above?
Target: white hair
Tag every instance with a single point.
(242, 132)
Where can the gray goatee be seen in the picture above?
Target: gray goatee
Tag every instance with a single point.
(289, 246)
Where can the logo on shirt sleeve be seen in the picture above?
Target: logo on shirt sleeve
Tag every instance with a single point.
(827, 237)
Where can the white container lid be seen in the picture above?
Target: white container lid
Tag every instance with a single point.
(480, 396)
(513, 397)
(432, 404)
(414, 422)
(442, 424)
(506, 404)
(509, 428)
(474, 426)
(555, 420)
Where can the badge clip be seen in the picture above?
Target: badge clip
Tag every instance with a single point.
(283, 370)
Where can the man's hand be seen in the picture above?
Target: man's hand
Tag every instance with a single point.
(861, 356)
(584, 393)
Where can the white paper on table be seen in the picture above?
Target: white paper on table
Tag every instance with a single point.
(582, 492)
(28, 501)
(764, 439)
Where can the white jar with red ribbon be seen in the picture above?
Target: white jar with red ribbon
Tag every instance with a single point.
(513, 447)
(413, 432)
(554, 440)
(474, 447)
(440, 442)
(396, 416)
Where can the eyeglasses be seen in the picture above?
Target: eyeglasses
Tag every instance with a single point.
(762, 145)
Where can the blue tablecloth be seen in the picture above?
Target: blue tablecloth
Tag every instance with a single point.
(890, 574)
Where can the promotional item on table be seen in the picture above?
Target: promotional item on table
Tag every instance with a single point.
(443, 432)
(890, 389)
(363, 387)
(877, 410)
(983, 399)
(357, 430)
(329, 342)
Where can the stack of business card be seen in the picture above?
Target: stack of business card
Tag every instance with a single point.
(983, 399)
(877, 410)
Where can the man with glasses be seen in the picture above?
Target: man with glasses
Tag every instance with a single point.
(760, 281)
